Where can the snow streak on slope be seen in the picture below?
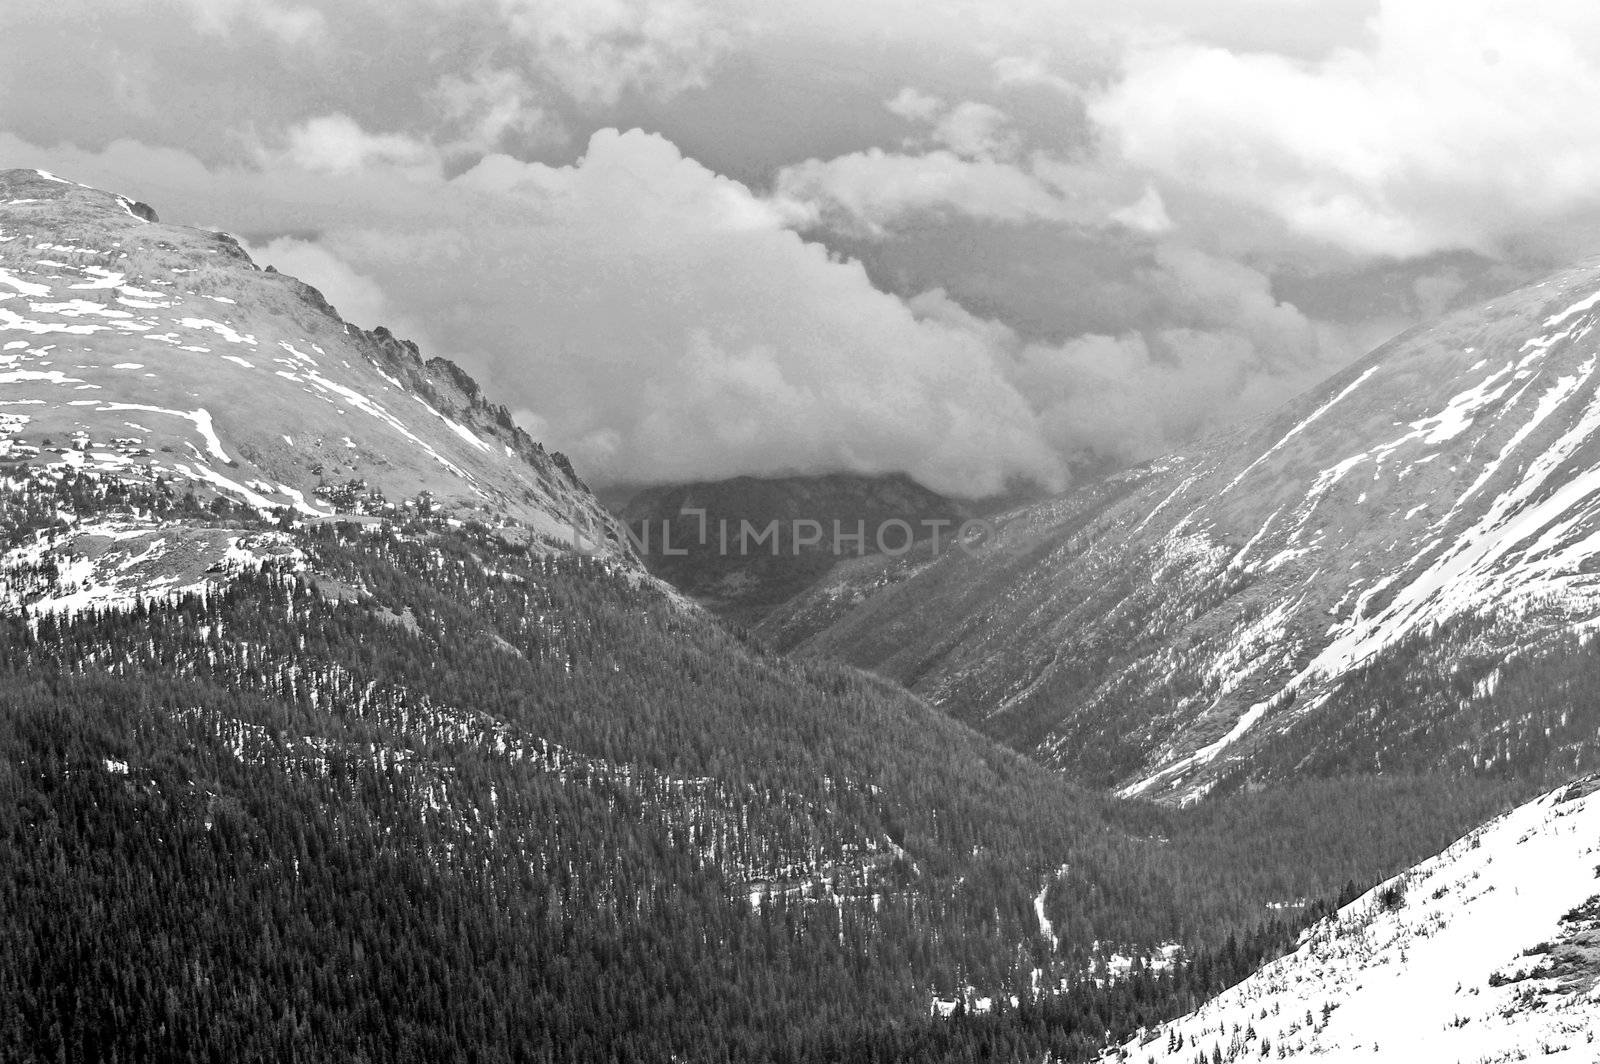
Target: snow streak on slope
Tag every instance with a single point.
(1488, 952)
(1300, 427)
(117, 564)
(161, 354)
(1507, 457)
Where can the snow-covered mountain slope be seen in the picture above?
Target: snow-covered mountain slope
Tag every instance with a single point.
(156, 354)
(1152, 630)
(1488, 952)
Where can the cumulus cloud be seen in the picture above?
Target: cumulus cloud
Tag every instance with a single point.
(1460, 125)
(718, 342)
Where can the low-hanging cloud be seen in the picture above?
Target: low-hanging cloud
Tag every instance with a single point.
(660, 322)
(715, 341)
(1220, 348)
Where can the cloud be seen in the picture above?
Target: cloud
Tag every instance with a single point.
(358, 298)
(979, 173)
(965, 160)
(1011, 71)
(969, 242)
(491, 105)
(867, 192)
(336, 144)
(1444, 132)
(290, 23)
(1143, 394)
(717, 342)
(976, 131)
(972, 130)
(218, 77)
(1219, 349)
(597, 50)
(660, 321)
(1147, 215)
(914, 106)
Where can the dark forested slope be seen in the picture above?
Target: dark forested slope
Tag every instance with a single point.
(418, 792)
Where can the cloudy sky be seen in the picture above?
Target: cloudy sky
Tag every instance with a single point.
(979, 242)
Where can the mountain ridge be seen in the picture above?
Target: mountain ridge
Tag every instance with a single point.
(385, 422)
(691, 535)
(1207, 601)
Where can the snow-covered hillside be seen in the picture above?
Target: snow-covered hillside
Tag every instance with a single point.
(1488, 952)
(159, 354)
(1155, 628)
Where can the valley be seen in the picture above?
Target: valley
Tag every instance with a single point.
(323, 741)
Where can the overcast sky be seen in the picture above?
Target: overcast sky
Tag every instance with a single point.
(971, 241)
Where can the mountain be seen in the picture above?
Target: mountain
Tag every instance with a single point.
(1488, 951)
(342, 748)
(1378, 577)
(710, 539)
(320, 739)
(161, 356)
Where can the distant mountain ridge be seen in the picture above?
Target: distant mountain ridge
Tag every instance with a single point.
(745, 578)
(1437, 503)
